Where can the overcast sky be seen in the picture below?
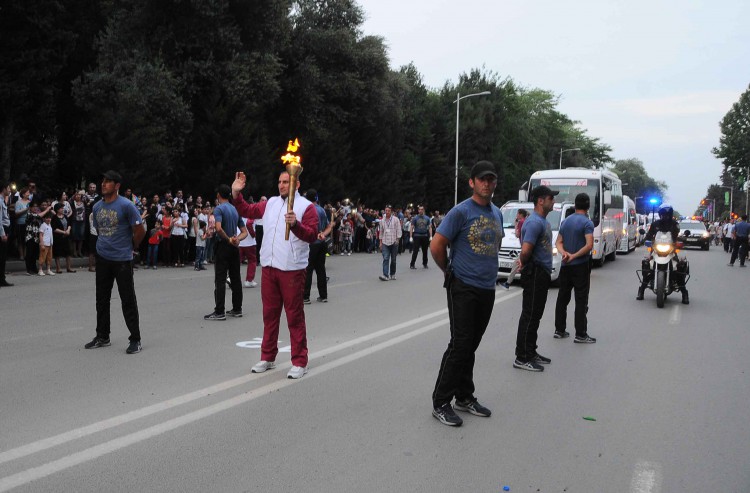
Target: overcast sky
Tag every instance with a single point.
(650, 78)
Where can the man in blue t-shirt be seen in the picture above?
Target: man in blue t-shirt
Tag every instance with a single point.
(474, 230)
(574, 242)
(536, 267)
(120, 231)
(421, 233)
(318, 250)
(740, 236)
(227, 256)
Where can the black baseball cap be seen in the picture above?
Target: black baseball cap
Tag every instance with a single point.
(482, 169)
(542, 191)
(113, 175)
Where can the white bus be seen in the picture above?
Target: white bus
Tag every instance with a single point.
(629, 226)
(605, 192)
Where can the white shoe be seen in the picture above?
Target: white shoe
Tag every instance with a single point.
(50, 273)
(251, 284)
(349, 254)
(262, 366)
(41, 272)
(296, 372)
(342, 254)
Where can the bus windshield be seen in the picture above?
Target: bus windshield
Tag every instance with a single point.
(569, 188)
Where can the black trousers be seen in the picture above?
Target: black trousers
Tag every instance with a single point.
(107, 272)
(420, 243)
(32, 255)
(258, 239)
(573, 277)
(227, 260)
(535, 282)
(739, 249)
(469, 311)
(317, 263)
(178, 246)
(4, 256)
(727, 243)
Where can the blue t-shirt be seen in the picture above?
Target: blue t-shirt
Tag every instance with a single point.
(474, 232)
(114, 222)
(742, 229)
(229, 218)
(537, 231)
(421, 225)
(322, 221)
(574, 230)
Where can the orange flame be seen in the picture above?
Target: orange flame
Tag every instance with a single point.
(290, 159)
(293, 146)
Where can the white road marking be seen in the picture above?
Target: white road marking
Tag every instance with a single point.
(676, 315)
(47, 443)
(647, 478)
(42, 334)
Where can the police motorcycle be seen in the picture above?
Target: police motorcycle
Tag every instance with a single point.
(659, 272)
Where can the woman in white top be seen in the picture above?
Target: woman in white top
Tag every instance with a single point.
(179, 228)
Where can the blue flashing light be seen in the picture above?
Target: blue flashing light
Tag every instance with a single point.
(653, 201)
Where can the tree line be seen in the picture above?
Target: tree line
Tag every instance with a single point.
(181, 93)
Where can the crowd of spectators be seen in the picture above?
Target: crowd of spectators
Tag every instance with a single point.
(179, 228)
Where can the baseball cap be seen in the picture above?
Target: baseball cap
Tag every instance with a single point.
(542, 191)
(113, 175)
(483, 168)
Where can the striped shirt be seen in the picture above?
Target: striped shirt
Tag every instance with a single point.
(390, 230)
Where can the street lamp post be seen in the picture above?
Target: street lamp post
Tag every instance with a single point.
(458, 106)
(566, 150)
(731, 199)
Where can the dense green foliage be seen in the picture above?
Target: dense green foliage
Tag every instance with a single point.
(181, 93)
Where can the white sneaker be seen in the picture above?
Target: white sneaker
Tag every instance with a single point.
(50, 273)
(41, 272)
(262, 366)
(342, 254)
(349, 254)
(296, 372)
(251, 284)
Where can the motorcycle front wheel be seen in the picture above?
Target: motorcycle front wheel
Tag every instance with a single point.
(661, 287)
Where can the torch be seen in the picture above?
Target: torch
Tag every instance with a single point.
(294, 168)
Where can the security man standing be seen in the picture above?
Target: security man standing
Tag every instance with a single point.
(740, 236)
(474, 230)
(574, 242)
(536, 270)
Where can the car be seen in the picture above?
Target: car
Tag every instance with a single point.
(510, 249)
(699, 235)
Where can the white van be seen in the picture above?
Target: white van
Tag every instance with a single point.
(510, 249)
(629, 239)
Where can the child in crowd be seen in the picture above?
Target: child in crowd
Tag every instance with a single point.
(45, 245)
(154, 239)
(200, 246)
(346, 236)
(370, 239)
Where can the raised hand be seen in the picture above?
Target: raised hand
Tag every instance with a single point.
(239, 183)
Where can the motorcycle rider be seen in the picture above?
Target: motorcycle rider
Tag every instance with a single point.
(665, 224)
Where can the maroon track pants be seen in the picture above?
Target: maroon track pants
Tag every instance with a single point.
(283, 289)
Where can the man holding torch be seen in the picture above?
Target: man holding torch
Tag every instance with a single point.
(284, 264)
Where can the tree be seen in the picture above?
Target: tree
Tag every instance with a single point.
(734, 144)
(638, 183)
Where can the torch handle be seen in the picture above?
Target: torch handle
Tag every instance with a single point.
(290, 202)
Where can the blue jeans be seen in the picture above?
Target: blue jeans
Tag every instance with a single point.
(389, 259)
(153, 255)
(200, 256)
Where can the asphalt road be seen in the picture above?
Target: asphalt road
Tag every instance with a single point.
(669, 389)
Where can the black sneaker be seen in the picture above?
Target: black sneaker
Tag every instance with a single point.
(562, 335)
(542, 360)
(412, 267)
(322, 300)
(98, 342)
(584, 340)
(235, 313)
(473, 407)
(134, 347)
(446, 415)
(527, 365)
(306, 301)
(215, 316)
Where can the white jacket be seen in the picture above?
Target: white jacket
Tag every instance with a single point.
(275, 251)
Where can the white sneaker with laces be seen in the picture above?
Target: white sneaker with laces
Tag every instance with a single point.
(41, 272)
(50, 273)
(296, 372)
(251, 284)
(262, 366)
